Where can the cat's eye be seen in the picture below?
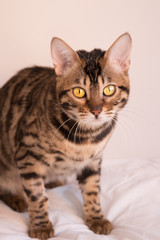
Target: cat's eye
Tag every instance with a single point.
(109, 90)
(79, 92)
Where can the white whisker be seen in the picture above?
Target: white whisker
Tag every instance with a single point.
(76, 131)
(59, 128)
(70, 132)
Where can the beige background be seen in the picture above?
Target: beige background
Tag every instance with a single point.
(27, 26)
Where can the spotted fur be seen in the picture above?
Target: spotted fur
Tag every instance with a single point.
(46, 134)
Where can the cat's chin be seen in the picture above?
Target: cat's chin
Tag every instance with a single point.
(96, 122)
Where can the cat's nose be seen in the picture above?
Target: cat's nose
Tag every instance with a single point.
(96, 112)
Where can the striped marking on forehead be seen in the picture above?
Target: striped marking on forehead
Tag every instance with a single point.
(92, 63)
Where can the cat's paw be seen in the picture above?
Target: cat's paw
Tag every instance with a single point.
(101, 226)
(41, 232)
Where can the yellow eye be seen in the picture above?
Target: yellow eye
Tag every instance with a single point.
(109, 90)
(79, 92)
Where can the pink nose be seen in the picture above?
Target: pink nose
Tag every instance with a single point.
(96, 112)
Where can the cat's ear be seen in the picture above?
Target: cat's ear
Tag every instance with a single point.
(64, 57)
(118, 55)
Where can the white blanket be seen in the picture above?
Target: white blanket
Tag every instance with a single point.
(130, 197)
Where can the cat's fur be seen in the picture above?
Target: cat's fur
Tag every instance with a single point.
(46, 133)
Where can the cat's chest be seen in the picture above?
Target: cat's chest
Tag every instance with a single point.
(82, 152)
(69, 156)
(72, 157)
(71, 160)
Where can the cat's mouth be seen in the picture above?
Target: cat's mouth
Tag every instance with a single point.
(92, 120)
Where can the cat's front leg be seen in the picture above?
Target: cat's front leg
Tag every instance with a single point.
(32, 174)
(89, 181)
(40, 225)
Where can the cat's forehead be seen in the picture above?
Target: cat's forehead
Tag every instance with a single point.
(91, 61)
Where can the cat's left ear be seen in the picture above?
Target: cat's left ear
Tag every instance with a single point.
(118, 55)
(64, 58)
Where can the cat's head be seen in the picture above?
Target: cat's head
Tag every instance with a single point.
(92, 86)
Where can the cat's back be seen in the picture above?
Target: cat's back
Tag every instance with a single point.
(20, 98)
(27, 78)
(24, 85)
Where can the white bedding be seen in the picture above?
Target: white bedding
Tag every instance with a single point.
(130, 197)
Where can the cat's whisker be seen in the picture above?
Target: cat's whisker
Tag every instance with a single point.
(81, 129)
(131, 116)
(58, 129)
(71, 131)
(126, 121)
(120, 126)
(78, 126)
(126, 125)
(135, 111)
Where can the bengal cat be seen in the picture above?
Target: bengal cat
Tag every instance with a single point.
(55, 122)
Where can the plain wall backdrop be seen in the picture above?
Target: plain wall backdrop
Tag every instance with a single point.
(26, 29)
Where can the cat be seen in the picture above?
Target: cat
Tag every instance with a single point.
(57, 121)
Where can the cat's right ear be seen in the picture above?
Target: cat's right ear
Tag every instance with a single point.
(118, 55)
(64, 58)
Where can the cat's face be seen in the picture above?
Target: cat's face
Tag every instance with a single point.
(92, 86)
